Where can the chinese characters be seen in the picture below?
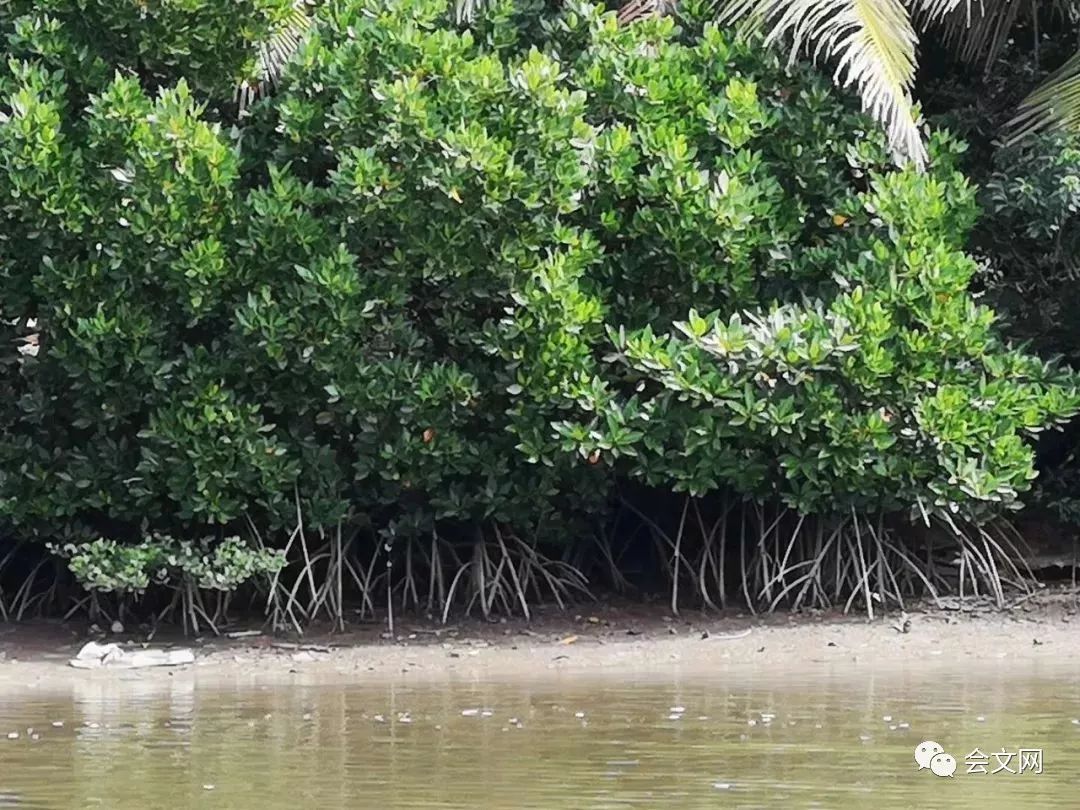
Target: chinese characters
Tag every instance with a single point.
(1024, 760)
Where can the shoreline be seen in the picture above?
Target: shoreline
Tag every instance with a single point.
(600, 640)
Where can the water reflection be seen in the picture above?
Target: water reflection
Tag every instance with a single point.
(755, 740)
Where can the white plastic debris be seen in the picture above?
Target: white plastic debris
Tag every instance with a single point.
(113, 656)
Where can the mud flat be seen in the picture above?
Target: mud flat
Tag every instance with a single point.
(1043, 630)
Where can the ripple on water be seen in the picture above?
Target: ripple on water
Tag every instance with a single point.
(823, 742)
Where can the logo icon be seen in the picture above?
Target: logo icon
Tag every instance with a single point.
(926, 751)
(943, 765)
(930, 755)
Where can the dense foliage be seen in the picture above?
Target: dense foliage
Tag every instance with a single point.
(1027, 237)
(450, 279)
(209, 45)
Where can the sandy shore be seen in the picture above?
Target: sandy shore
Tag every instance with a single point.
(1040, 631)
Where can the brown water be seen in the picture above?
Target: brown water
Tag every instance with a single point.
(835, 741)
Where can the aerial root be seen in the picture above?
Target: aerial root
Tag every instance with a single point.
(857, 559)
(711, 553)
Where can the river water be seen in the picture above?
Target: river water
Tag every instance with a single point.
(753, 739)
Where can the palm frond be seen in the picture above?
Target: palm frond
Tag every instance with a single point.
(1055, 104)
(274, 54)
(937, 10)
(873, 43)
(637, 10)
(981, 29)
(465, 10)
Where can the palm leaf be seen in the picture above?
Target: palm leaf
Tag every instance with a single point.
(980, 30)
(637, 10)
(937, 10)
(465, 10)
(274, 54)
(872, 42)
(983, 28)
(1055, 104)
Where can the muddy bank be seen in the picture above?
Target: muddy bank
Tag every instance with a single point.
(1044, 629)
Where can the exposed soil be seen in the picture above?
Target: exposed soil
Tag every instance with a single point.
(605, 636)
